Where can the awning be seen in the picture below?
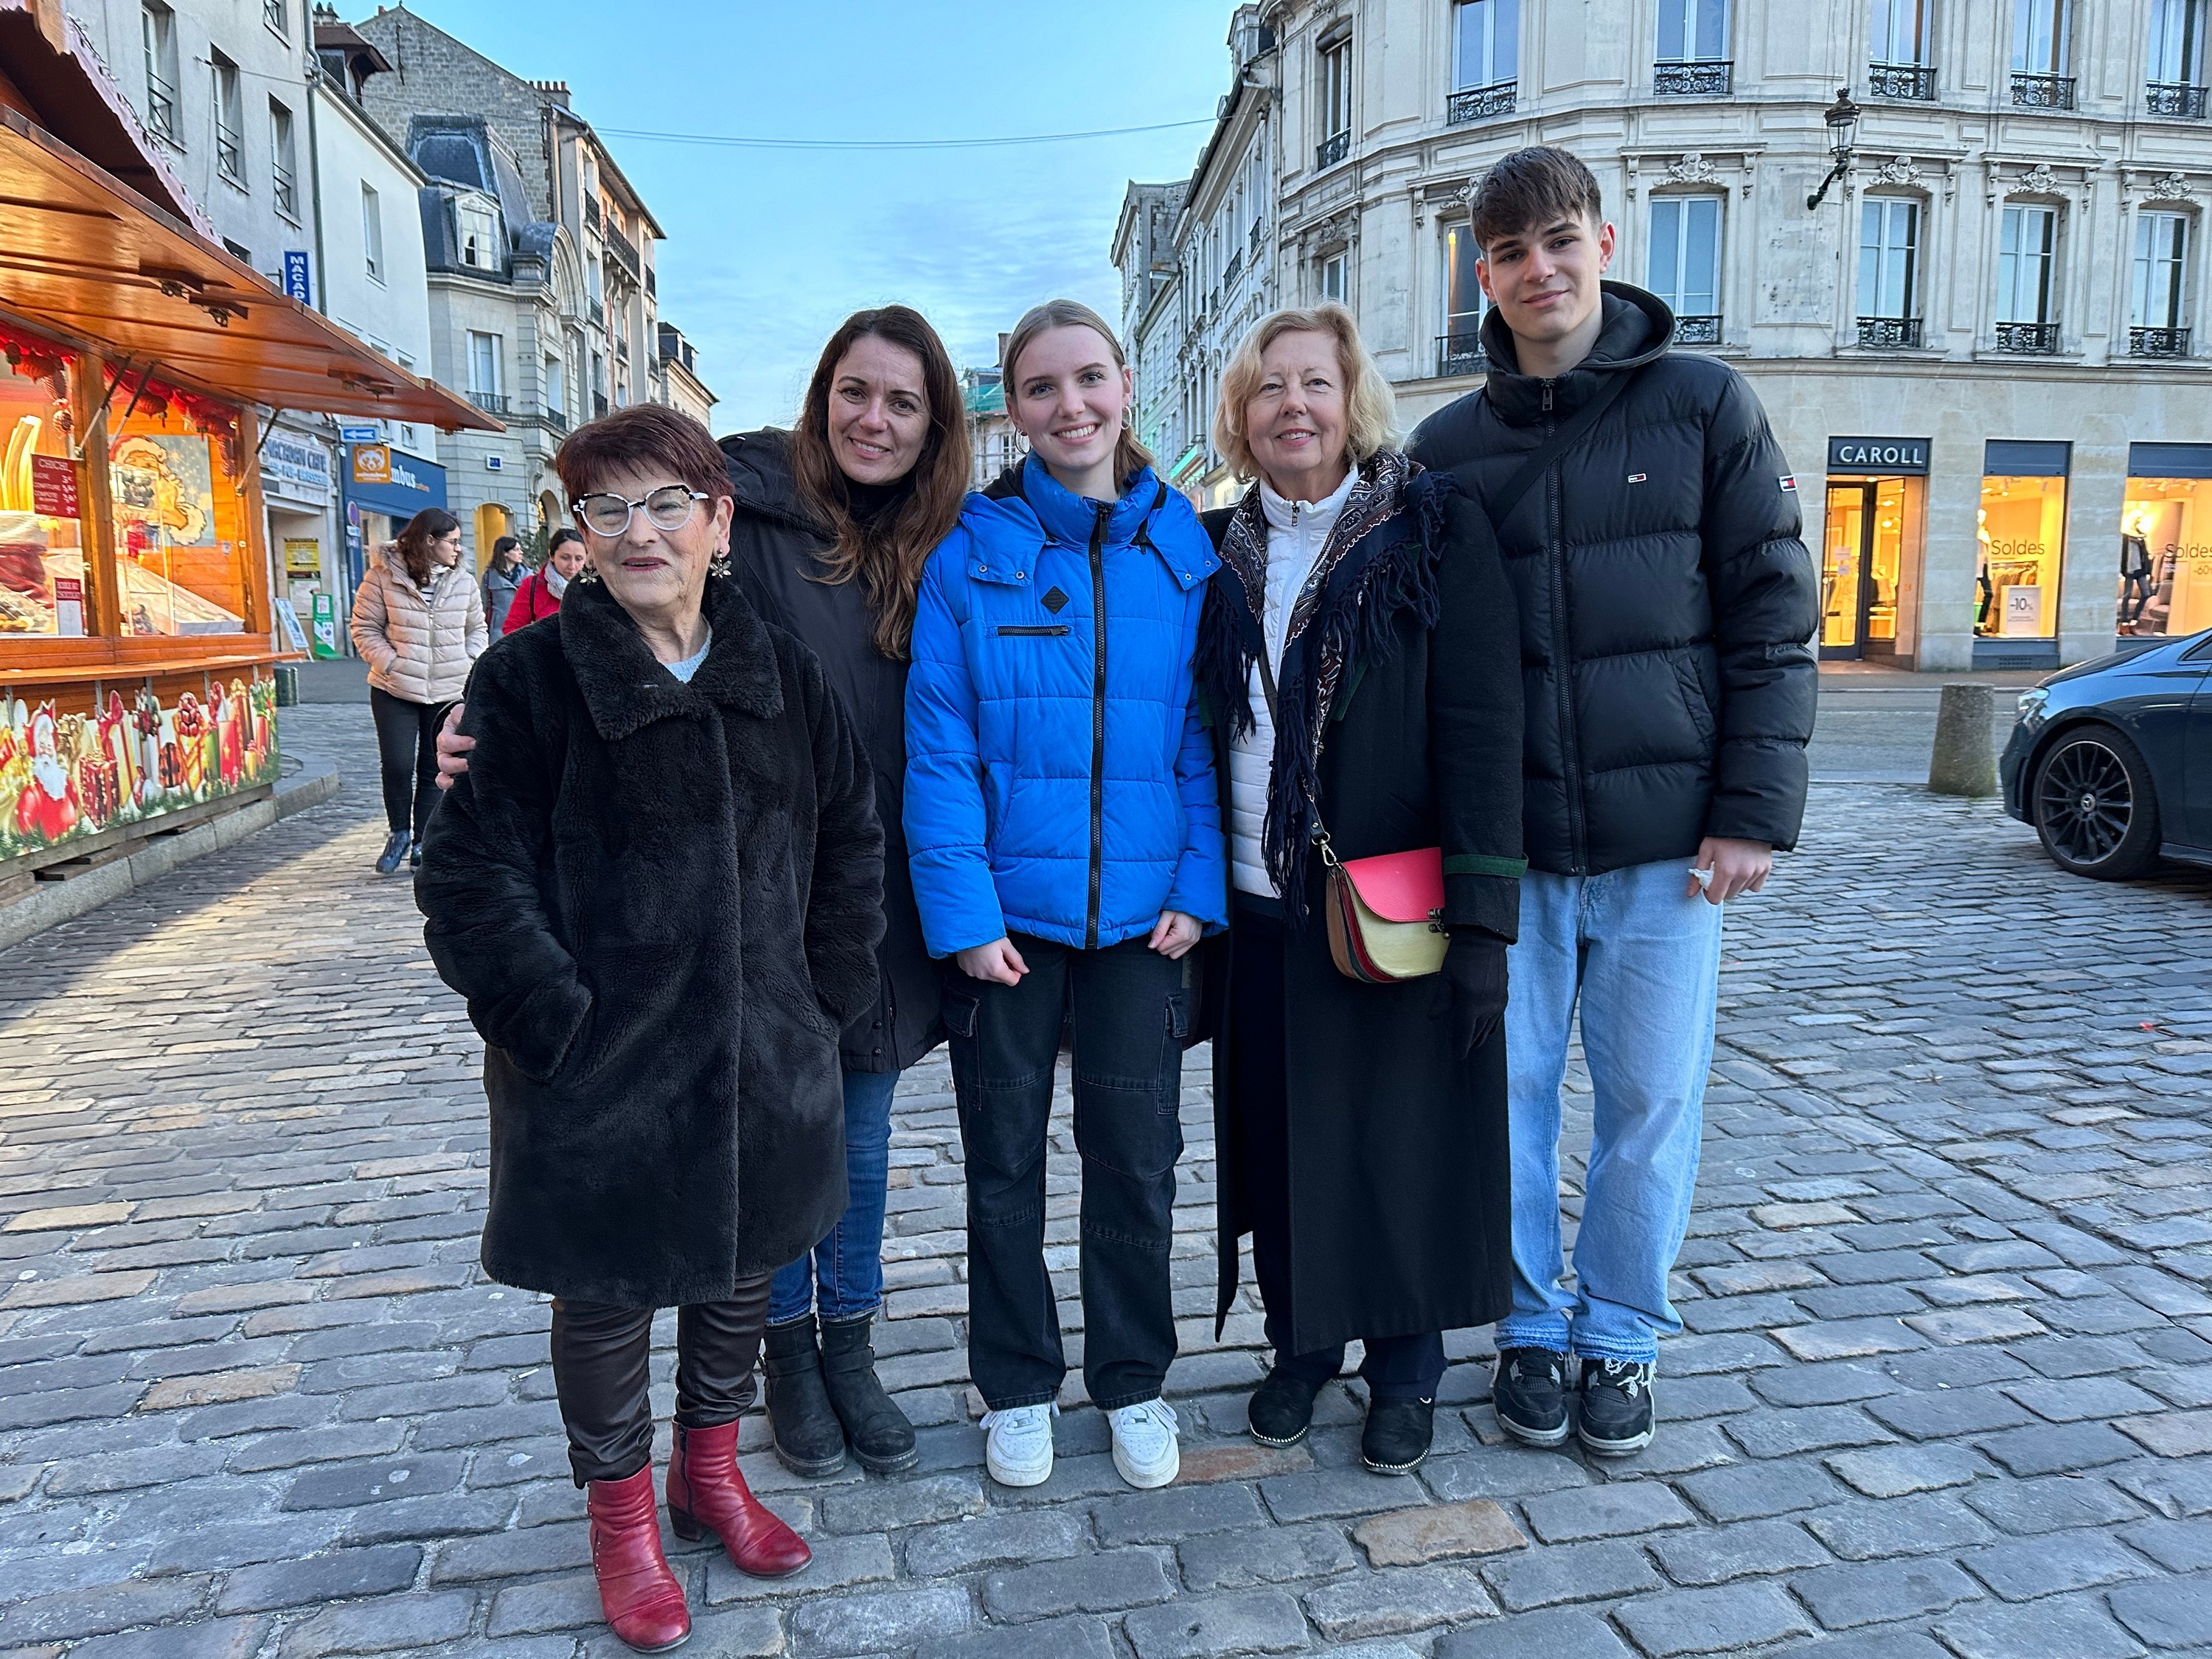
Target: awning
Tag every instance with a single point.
(83, 254)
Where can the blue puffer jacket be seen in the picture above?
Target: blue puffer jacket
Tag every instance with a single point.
(1058, 780)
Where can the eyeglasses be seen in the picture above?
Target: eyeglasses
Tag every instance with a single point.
(668, 507)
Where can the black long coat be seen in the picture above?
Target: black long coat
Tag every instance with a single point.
(1400, 1220)
(1665, 597)
(661, 901)
(773, 547)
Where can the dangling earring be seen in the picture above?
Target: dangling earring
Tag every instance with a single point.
(718, 565)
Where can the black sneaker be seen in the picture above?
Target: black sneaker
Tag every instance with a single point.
(1529, 1395)
(1397, 1435)
(395, 852)
(1281, 1409)
(1616, 1415)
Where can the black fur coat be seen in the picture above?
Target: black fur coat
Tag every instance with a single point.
(662, 901)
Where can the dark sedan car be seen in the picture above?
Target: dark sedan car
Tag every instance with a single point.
(2112, 761)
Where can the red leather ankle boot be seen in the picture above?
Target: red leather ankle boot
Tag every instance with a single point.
(705, 1491)
(640, 1596)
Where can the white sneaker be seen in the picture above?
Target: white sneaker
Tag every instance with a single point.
(1017, 1444)
(1145, 1448)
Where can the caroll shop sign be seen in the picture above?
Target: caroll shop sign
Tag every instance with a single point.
(1892, 455)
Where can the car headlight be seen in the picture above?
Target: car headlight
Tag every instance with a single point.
(2031, 706)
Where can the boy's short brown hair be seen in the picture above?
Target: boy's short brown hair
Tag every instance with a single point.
(1531, 189)
(645, 436)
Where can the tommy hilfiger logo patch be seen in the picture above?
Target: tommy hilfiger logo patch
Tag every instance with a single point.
(1054, 601)
(1788, 484)
(1638, 478)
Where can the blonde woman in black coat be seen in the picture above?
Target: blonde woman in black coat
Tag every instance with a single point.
(1361, 658)
(659, 886)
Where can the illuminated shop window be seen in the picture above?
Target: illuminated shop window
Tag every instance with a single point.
(42, 586)
(180, 529)
(2165, 557)
(2022, 531)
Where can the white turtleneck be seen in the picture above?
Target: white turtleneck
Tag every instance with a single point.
(1297, 533)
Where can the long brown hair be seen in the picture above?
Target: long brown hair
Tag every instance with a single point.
(887, 554)
(412, 545)
(1128, 454)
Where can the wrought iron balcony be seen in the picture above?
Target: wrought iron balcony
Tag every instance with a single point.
(1694, 77)
(1232, 271)
(591, 211)
(625, 250)
(2174, 98)
(161, 107)
(1913, 81)
(1460, 354)
(598, 404)
(492, 403)
(1332, 150)
(1481, 103)
(2031, 339)
(1892, 333)
(284, 188)
(230, 153)
(1697, 331)
(2158, 343)
(556, 418)
(2043, 91)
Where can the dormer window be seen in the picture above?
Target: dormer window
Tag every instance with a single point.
(478, 228)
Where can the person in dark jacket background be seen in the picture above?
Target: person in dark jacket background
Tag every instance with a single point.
(504, 573)
(1666, 606)
(833, 521)
(659, 887)
(1360, 1133)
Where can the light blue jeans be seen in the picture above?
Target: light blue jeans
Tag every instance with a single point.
(1644, 962)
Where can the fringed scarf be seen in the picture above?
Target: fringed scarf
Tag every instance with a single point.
(1380, 559)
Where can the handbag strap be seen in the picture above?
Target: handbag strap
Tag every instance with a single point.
(1501, 505)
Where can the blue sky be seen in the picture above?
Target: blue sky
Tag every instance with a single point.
(769, 249)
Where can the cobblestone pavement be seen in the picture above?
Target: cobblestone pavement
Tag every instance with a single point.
(1945, 1386)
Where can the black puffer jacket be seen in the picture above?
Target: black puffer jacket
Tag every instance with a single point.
(773, 545)
(1666, 600)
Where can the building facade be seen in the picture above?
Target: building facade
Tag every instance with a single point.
(1989, 341)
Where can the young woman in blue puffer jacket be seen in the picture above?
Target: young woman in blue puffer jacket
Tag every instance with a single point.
(1066, 846)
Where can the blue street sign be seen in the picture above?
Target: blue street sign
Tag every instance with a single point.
(360, 434)
(296, 281)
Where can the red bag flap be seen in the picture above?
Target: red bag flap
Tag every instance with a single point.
(1400, 886)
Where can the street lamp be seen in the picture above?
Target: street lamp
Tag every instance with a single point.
(1843, 119)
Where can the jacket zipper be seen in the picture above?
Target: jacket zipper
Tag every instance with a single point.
(1563, 662)
(1098, 722)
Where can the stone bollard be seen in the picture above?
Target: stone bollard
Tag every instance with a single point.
(1964, 762)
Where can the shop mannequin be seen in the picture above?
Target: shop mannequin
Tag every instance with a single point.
(2135, 569)
(1983, 593)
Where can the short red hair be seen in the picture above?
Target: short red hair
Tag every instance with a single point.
(644, 437)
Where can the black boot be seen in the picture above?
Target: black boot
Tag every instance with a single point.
(881, 1436)
(394, 852)
(809, 1440)
(1281, 1408)
(1397, 1435)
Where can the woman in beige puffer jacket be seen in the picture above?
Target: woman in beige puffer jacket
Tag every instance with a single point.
(418, 622)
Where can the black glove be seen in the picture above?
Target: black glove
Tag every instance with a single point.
(1471, 988)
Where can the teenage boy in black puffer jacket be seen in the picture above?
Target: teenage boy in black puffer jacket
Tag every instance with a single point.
(1667, 605)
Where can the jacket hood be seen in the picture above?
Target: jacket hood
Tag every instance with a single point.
(761, 478)
(1638, 327)
(1026, 508)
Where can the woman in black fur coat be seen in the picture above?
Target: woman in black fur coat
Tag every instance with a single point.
(659, 885)
(1360, 656)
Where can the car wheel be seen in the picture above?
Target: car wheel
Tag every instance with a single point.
(2094, 805)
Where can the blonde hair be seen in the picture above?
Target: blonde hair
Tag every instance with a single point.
(1130, 455)
(1371, 408)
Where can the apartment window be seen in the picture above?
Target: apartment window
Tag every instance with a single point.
(1902, 54)
(1334, 90)
(2176, 74)
(1690, 57)
(1489, 42)
(2027, 258)
(1459, 350)
(2162, 267)
(478, 227)
(557, 385)
(272, 13)
(1686, 263)
(372, 232)
(229, 120)
(2039, 76)
(483, 370)
(158, 28)
(284, 160)
(1889, 272)
(1332, 278)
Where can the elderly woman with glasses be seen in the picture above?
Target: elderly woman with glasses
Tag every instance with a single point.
(659, 885)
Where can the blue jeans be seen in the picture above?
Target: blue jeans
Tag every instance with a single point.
(848, 1266)
(1644, 962)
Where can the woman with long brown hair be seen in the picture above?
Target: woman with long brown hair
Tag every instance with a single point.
(418, 622)
(831, 524)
